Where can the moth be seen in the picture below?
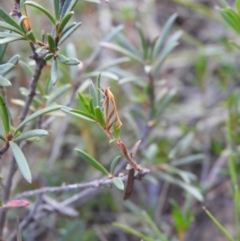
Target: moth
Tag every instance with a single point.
(110, 110)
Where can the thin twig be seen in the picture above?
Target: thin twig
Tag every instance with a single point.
(76, 186)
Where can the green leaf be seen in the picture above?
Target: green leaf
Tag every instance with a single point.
(63, 59)
(42, 9)
(73, 61)
(188, 160)
(5, 68)
(79, 114)
(238, 6)
(219, 225)
(163, 36)
(114, 164)
(64, 21)
(91, 106)
(182, 145)
(231, 19)
(165, 102)
(2, 51)
(67, 7)
(30, 36)
(71, 52)
(10, 39)
(31, 134)
(58, 93)
(83, 113)
(90, 160)
(187, 187)
(126, 43)
(8, 19)
(133, 232)
(123, 51)
(4, 82)
(56, 9)
(107, 74)
(170, 45)
(99, 116)
(21, 161)
(118, 183)
(14, 60)
(10, 27)
(51, 43)
(153, 226)
(143, 41)
(36, 115)
(8, 34)
(84, 101)
(68, 61)
(4, 115)
(68, 31)
(26, 68)
(93, 94)
(54, 72)
(48, 57)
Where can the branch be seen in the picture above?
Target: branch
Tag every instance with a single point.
(77, 186)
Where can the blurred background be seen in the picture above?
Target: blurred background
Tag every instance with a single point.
(185, 144)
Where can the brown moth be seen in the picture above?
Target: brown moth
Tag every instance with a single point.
(110, 110)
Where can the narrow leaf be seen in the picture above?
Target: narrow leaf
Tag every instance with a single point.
(123, 51)
(10, 27)
(21, 161)
(2, 51)
(30, 36)
(73, 61)
(5, 68)
(31, 134)
(42, 9)
(54, 72)
(79, 114)
(51, 43)
(8, 19)
(238, 6)
(182, 145)
(36, 115)
(84, 101)
(4, 115)
(133, 232)
(10, 39)
(163, 36)
(90, 160)
(67, 7)
(56, 9)
(93, 94)
(114, 164)
(63, 59)
(118, 183)
(60, 91)
(14, 60)
(143, 41)
(219, 225)
(99, 116)
(4, 82)
(68, 31)
(64, 21)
